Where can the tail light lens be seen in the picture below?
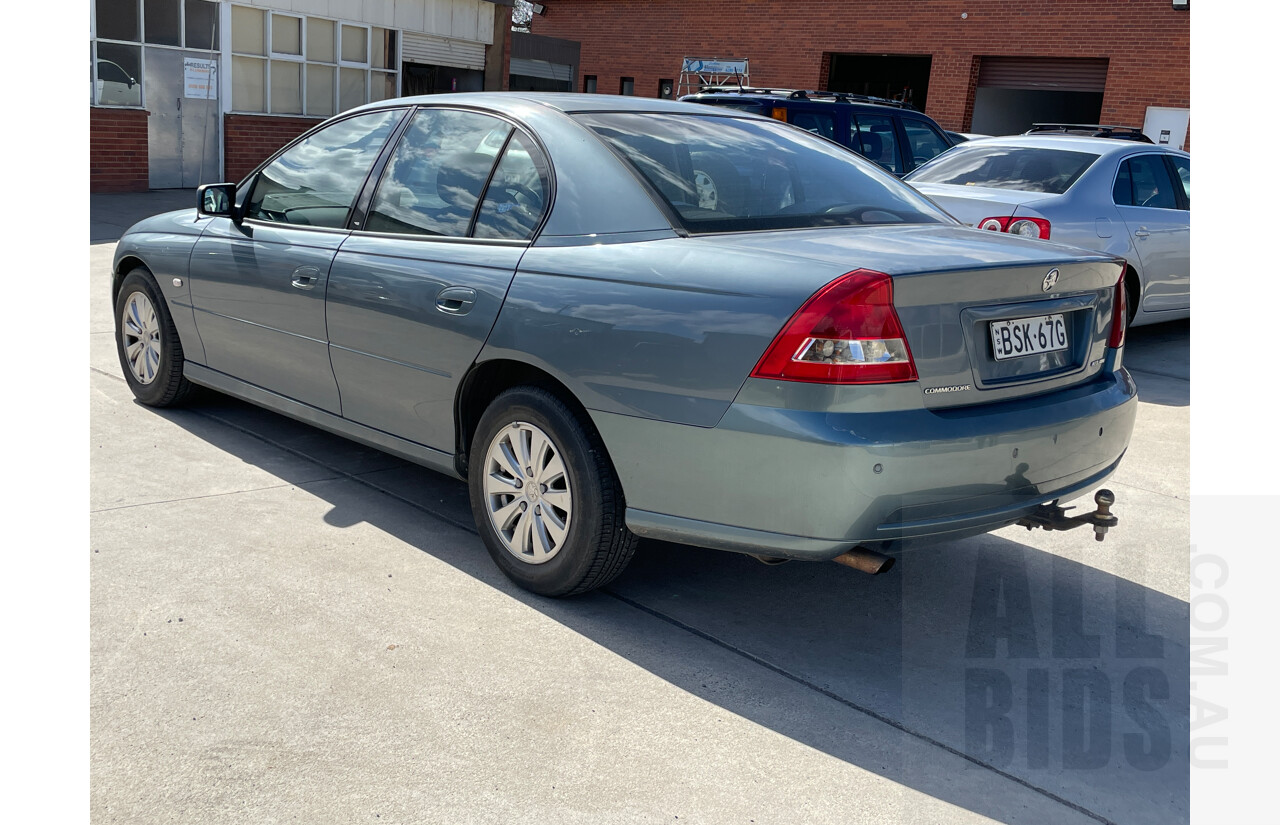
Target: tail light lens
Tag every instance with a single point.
(779, 113)
(847, 333)
(1119, 315)
(1026, 227)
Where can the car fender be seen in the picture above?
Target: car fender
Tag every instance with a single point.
(163, 244)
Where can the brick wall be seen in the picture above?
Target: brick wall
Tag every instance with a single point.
(1148, 43)
(117, 150)
(248, 140)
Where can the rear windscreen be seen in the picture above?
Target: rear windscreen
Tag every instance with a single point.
(726, 174)
(1027, 169)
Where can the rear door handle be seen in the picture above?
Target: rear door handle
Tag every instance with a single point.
(1141, 233)
(306, 277)
(456, 300)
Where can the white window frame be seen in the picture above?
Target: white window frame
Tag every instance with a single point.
(366, 67)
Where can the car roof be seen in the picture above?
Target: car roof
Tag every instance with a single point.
(1076, 143)
(800, 96)
(567, 102)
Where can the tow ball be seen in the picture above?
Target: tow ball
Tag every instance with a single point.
(1052, 517)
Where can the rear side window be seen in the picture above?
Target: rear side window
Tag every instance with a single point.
(1027, 169)
(517, 195)
(722, 174)
(315, 182)
(1183, 167)
(437, 174)
(875, 139)
(1144, 181)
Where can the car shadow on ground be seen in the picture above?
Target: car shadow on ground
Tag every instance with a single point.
(1039, 669)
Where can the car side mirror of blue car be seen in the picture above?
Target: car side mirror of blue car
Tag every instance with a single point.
(217, 200)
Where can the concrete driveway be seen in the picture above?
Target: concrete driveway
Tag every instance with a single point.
(289, 627)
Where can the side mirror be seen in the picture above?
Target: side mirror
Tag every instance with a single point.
(217, 200)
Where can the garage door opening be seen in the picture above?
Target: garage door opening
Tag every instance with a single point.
(897, 77)
(1015, 92)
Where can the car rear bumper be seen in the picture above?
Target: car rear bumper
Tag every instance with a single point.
(810, 485)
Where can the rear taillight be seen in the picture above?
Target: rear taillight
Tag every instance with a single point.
(1026, 227)
(847, 333)
(1119, 315)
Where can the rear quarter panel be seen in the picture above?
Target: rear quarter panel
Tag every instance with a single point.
(664, 329)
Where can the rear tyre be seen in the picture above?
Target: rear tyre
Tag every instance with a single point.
(545, 497)
(147, 343)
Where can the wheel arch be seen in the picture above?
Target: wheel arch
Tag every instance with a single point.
(487, 380)
(1132, 290)
(123, 267)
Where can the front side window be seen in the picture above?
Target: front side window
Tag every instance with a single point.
(1144, 181)
(726, 174)
(818, 123)
(437, 173)
(1026, 169)
(924, 140)
(315, 182)
(874, 138)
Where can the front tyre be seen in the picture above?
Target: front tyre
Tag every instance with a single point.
(545, 497)
(147, 342)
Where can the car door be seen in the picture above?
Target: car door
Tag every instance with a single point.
(413, 294)
(1157, 216)
(258, 283)
(874, 137)
(922, 140)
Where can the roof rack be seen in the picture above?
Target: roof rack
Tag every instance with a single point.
(1091, 129)
(806, 94)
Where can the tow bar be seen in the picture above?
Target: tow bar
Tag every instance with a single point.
(1052, 517)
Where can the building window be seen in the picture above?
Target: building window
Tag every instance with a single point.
(119, 27)
(314, 66)
(589, 84)
(627, 86)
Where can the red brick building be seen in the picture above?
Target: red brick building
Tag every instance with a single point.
(196, 91)
(973, 65)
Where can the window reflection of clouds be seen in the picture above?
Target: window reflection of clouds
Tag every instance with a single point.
(407, 199)
(509, 210)
(1020, 168)
(324, 171)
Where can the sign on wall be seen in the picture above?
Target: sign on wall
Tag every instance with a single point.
(200, 78)
(696, 66)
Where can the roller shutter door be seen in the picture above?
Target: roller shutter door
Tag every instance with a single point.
(1063, 74)
(541, 68)
(442, 51)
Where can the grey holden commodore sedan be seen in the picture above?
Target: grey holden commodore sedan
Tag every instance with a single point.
(527, 291)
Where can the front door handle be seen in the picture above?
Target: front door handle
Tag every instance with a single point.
(1141, 233)
(456, 300)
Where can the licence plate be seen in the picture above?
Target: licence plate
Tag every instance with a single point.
(1028, 336)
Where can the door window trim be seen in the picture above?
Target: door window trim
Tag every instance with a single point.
(1179, 198)
(367, 195)
(255, 176)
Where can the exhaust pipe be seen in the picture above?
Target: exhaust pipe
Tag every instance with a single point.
(868, 561)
